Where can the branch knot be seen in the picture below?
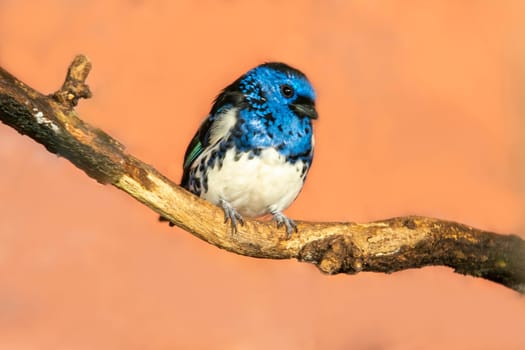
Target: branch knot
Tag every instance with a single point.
(332, 255)
(74, 87)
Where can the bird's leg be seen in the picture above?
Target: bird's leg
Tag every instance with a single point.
(281, 220)
(231, 214)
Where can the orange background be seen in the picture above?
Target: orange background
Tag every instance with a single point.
(421, 112)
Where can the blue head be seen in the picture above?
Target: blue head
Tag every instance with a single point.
(276, 106)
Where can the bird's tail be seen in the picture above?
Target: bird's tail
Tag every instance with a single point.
(163, 219)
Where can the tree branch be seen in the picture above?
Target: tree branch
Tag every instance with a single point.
(382, 246)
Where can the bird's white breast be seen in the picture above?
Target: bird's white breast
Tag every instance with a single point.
(257, 186)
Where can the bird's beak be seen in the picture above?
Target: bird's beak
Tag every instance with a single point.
(305, 110)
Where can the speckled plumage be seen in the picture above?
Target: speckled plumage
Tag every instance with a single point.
(252, 153)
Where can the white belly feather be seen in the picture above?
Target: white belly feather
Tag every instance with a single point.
(256, 186)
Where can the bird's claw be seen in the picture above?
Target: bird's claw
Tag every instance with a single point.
(282, 220)
(231, 214)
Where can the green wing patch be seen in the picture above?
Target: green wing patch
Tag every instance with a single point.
(196, 150)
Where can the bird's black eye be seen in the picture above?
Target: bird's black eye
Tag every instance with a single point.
(287, 91)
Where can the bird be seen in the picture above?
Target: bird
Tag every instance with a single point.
(252, 153)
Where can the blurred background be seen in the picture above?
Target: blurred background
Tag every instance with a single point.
(421, 112)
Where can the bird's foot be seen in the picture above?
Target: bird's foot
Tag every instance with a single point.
(231, 214)
(281, 220)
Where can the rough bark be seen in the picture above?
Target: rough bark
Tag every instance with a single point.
(383, 246)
